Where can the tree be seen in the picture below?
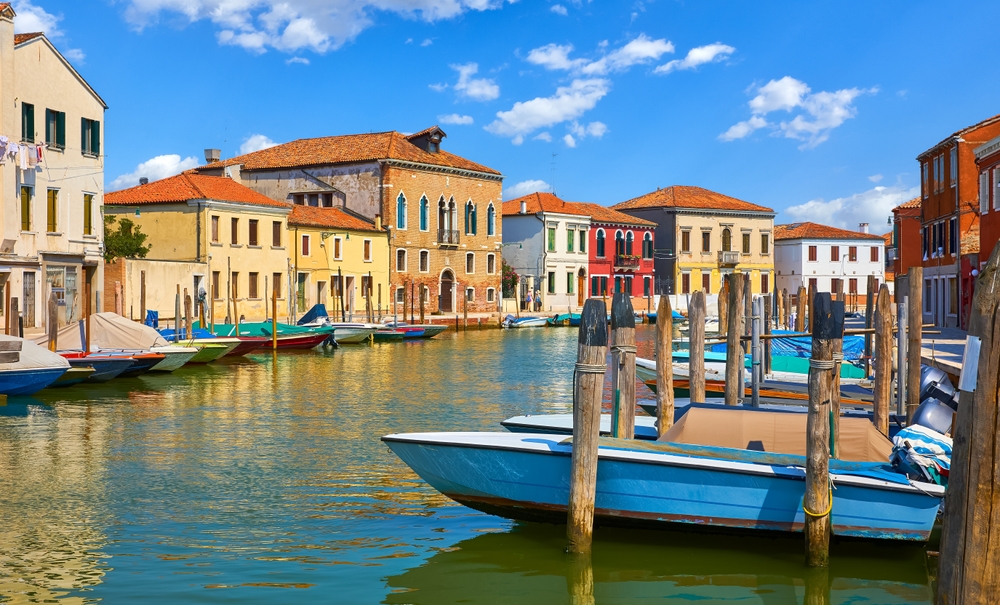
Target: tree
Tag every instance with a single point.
(124, 242)
(508, 280)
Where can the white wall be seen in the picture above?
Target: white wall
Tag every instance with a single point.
(793, 267)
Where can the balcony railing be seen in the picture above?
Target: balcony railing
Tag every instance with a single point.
(626, 261)
(448, 237)
(729, 257)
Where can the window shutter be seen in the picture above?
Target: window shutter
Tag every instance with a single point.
(996, 184)
(984, 192)
(84, 135)
(95, 137)
(61, 129)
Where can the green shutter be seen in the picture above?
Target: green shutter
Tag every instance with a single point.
(61, 129)
(84, 134)
(95, 137)
(49, 123)
(27, 122)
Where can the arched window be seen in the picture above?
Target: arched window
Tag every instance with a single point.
(628, 242)
(647, 245)
(452, 215)
(442, 214)
(491, 220)
(470, 218)
(600, 243)
(619, 243)
(727, 240)
(401, 260)
(424, 213)
(401, 211)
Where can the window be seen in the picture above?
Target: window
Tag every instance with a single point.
(852, 254)
(425, 261)
(552, 239)
(628, 285)
(90, 137)
(569, 282)
(604, 286)
(953, 296)
(252, 285)
(874, 257)
(215, 229)
(570, 244)
(491, 228)
(595, 286)
(327, 200)
(984, 192)
(628, 243)
(275, 234)
(252, 237)
(51, 209)
(727, 240)
(583, 241)
(835, 254)
(338, 246)
(953, 239)
(55, 128)
(401, 211)
(746, 243)
(852, 285)
(27, 122)
(88, 214)
(812, 284)
(685, 283)
(276, 284)
(765, 244)
(835, 285)
(491, 295)
(367, 250)
(706, 283)
(470, 262)
(424, 213)
(619, 242)
(685, 241)
(706, 241)
(765, 283)
(491, 264)
(470, 218)
(647, 245)
(470, 294)
(401, 260)
(996, 194)
(552, 282)
(618, 284)
(600, 243)
(299, 199)
(645, 286)
(216, 278)
(812, 253)
(924, 185)
(234, 231)
(25, 208)
(306, 245)
(954, 166)
(236, 284)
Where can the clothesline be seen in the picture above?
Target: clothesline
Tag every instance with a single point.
(24, 156)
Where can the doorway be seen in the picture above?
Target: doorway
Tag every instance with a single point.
(581, 287)
(28, 279)
(447, 286)
(349, 295)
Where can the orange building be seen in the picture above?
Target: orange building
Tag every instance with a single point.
(904, 249)
(988, 161)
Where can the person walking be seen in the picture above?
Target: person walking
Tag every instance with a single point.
(527, 301)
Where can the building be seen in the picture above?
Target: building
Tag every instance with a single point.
(226, 242)
(828, 259)
(950, 222)
(442, 210)
(890, 273)
(334, 246)
(52, 178)
(621, 253)
(546, 241)
(988, 162)
(701, 236)
(904, 251)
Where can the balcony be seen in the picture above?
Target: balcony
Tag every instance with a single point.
(729, 258)
(626, 262)
(447, 237)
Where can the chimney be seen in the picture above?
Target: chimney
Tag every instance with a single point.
(143, 180)
(378, 222)
(212, 155)
(864, 228)
(524, 207)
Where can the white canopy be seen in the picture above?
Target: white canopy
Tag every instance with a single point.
(109, 331)
(33, 356)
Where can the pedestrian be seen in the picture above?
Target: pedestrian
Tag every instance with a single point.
(527, 306)
(538, 300)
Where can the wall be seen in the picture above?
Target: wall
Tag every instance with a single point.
(603, 266)
(698, 263)
(523, 246)
(664, 238)
(353, 185)
(794, 269)
(162, 279)
(989, 232)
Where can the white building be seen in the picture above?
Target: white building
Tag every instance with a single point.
(826, 257)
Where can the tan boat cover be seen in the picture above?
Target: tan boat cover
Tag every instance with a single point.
(33, 357)
(110, 331)
(777, 432)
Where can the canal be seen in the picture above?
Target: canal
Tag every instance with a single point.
(263, 480)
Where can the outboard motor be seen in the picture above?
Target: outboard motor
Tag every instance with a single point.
(934, 415)
(935, 384)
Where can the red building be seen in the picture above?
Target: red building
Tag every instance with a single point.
(988, 161)
(621, 253)
(904, 251)
(950, 222)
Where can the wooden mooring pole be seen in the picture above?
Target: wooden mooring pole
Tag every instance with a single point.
(838, 358)
(696, 360)
(800, 310)
(969, 565)
(588, 388)
(665, 364)
(623, 366)
(768, 318)
(734, 351)
(274, 319)
(87, 311)
(723, 305)
(869, 322)
(914, 318)
(52, 324)
(883, 361)
(827, 326)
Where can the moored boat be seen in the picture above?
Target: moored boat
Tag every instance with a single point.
(388, 335)
(73, 375)
(289, 337)
(174, 357)
(142, 363)
(346, 333)
(525, 322)
(34, 369)
(106, 366)
(416, 331)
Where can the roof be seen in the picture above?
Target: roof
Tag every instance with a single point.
(910, 205)
(683, 196)
(958, 133)
(22, 38)
(816, 231)
(347, 149)
(548, 202)
(334, 218)
(186, 187)
(888, 238)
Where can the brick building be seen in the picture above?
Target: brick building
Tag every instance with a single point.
(442, 211)
(950, 223)
(904, 250)
(988, 161)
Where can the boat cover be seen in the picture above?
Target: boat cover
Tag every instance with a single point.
(774, 432)
(109, 331)
(801, 346)
(313, 314)
(33, 357)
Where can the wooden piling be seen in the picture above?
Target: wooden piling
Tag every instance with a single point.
(883, 361)
(665, 359)
(465, 313)
(800, 310)
(827, 326)
(734, 350)
(723, 305)
(914, 317)
(413, 288)
(7, 329)
(747, 306)
(87, 311)
(404, 304)
(869, 322)
(142, 296)
(421, 304)
(623, 366)
(810, 299)
(177, 314)
(696, 360)
(588, 388)
(767, 330)
(52, 323)
(274, 320)
(15, 319)
(236, 312)
(340, 292)
(969, 565)
(187, 315)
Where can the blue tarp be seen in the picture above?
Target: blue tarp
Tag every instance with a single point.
(313, 314)
(801, 346)
(152, 318)
(168, 333)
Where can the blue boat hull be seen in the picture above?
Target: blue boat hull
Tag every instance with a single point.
(509, 480)
(26, 382)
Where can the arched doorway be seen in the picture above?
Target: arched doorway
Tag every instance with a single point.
(581, 287)
(447, 286)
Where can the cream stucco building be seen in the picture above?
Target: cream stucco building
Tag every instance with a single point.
(53, 186)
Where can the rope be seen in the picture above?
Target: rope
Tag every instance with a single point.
(624, 348)
(591, 368)
(838, 357)
(821, 364)
(828, 508)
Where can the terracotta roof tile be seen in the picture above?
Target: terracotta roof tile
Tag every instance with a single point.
(22, 38)
(334, 218)
(816, 231)
(682, 196)
(547, 202)
(959, 133)
(888, 238)
(603, 214)
(186, 187)
(914, 203)
(347, 149)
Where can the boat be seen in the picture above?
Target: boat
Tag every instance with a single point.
(106, 366)
(415, 331)
(174, 357)
(142, 363)
(388, 335)
(73, 375)
(347, 333)
(564, 319)
(249, 344)
(240, 345)
(36, 367)
(289, 337)
(719, 468)
(525, 322)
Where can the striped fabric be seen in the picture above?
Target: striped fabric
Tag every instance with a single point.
(922, 454)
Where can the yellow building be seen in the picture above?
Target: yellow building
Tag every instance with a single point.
(225, 242)
(334, 246)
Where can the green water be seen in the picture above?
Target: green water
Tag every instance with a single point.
(262, 481)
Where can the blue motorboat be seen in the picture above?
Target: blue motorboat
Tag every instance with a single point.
(35, 368)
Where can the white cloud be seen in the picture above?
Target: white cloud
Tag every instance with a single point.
(30, 18)
(427, 42)
(255, 142)
(555, 56)
(559, 9)
(291, 25)
(641, 50)
(821, 111)
(569, 140)
(543, 136)
(74, 55)
(154, 169)
(477, 89)
(875, 178)
(438, 87)
(526, 187)
(454, 118)
(568, 103)
(872, 207)
(299, 60)
(700, 55)
(594, 129)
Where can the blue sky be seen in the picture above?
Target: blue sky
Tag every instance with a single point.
(814, 109)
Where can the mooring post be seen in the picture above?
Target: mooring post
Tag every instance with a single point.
(87, 311)
(588, 388)
(800, 310)
(142, 296)
(665, 364)
(768, 318)
(915, 320)
(187, 315)
(827, 326)
(810, 299)
(756, 352)
(15, 319)
(747, 309)
(838, 358)
(456, 322)
(696, 359)
(421, 304)
(970, 548)
(465, 313)
(52, 325)
(883, 361)
(177, 314)
(870, 295)
(723, 305)
(274, 319)
(623, 366)
(734, 351)
(901, 357)
(413, 288)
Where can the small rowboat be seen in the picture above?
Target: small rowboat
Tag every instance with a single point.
(416, 331)
(142, 363)
(74, 375)
(106, 365)
(388, 335)
(525, 322)
(174, 357)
